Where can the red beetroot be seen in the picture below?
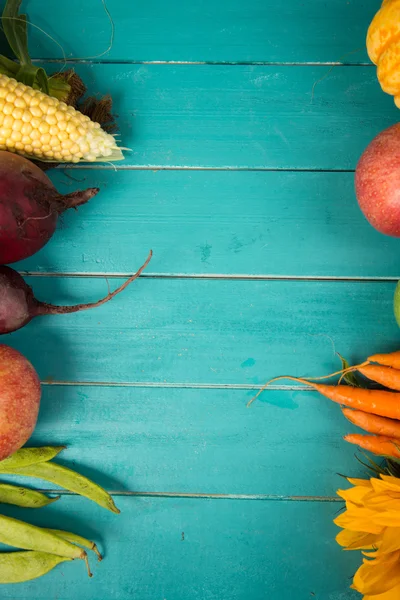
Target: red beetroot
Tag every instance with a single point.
(29, 207)
(19, 400)
(18, 305)
(377, 181)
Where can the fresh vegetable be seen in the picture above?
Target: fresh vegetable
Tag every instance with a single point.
(383, 45)
(386, 376)
(392, 359)
(24, 497)
(31, 463)
(17, 567)
(37, 126)
(77, 539)
(43, 543)
(377, 402)
(377, 181)
(377, 444)
(19, 400)
(29, 537)
(29, 207)
(69, 480)
(373, 423)
(34, 124)
(29, 456)
(19, 306)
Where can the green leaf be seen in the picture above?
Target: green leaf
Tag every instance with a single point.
(8, 67)
(15, 29)
(349, 378)
(42, 81)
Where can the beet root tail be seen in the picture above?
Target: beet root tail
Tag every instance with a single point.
(80, 197)
(43, 308)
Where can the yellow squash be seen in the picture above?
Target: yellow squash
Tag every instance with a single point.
(383, 45)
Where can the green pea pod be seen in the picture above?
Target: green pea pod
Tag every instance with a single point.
(77, 539)
(16, 567)
(24, 497)
(29, 537)
(70, 480)
(29, 456)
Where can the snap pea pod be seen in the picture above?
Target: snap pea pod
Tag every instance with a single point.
(29, 537)
(77, 539)
(16, 567)
(24, 497)
(70, 480)
(29, 456)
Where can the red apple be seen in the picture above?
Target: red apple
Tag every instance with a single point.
(19, 400)
(377, 181)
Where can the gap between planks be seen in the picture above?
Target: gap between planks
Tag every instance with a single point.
(205, 496)
(217, 276)
(211, 63)
(172, 385)
(155, 168)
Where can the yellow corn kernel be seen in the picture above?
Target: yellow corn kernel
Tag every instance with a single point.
(8, 108)
(16, 136)
(44, 127)
(19, 103)
(26, 128)
(8, 121)
(17, 113)
(36, 112)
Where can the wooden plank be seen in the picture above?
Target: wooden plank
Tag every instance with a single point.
(202, 222)
(259, 30)
(206, 331)
(199, 441)
(169, 548)
(247, 116)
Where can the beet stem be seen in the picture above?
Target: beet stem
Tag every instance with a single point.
(43, 308)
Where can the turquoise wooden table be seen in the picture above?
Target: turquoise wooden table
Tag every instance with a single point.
(246, 120)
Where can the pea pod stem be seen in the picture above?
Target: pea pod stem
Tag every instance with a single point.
(17, 567)
(23, 497)
(70, 480)
(77, 539)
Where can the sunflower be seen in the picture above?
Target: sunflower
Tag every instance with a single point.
(371, 523)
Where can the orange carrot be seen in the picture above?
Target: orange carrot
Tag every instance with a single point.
(387, 376)
(389, 360)
(373, 423)
(377, 444)
(377, 402)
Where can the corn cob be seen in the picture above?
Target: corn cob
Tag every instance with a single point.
(39, 126)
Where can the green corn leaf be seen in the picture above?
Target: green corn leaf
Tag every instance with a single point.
(15, 29)
(42, 80)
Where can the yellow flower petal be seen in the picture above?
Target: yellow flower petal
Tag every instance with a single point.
(395, 481)
(393, 594)
(385, 484)
(354, 494)
(359, 521)
(378, 575)
(363, 482)
(356, 540)
(390, 540)
(389, 518)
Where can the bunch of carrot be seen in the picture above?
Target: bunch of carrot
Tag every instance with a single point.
(373, 410)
